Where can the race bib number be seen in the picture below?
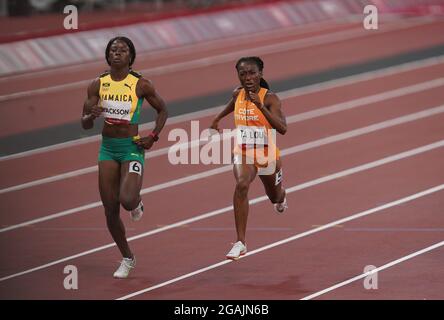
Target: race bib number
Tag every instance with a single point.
(252, 136)
(117, 110)
(135, 167)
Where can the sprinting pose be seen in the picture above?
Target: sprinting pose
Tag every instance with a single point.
(118, 95)
(257, 111)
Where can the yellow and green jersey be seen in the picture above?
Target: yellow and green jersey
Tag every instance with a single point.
(119, 99)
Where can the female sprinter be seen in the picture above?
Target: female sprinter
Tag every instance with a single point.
(257, 112)
(118, 95)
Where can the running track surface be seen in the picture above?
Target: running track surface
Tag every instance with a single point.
(362, 166)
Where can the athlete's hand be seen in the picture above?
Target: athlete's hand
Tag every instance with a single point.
(96, 111)
(254, 97)
(145, 142)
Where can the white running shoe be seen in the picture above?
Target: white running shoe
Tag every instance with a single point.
(239, 249)
(281, 207)
(137, 213)
(125, 266)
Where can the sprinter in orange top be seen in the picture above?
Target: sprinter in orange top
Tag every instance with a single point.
(257, 116)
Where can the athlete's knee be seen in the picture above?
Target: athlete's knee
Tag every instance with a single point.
(242, 187)
(129, 202)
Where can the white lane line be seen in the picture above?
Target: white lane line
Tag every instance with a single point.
(308, 184)
(385, 266)
(295, 237)
(291, 119)
(326, 85)
(228, 57)
(285, 152)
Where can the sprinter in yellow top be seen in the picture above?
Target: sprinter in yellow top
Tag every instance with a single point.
(118, 99)
(257, 116)
(117, 95)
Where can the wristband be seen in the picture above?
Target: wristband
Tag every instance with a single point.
(154, 136)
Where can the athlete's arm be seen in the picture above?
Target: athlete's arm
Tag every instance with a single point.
(229, 108)
(146, 89)
(272, 110)
(90, 108)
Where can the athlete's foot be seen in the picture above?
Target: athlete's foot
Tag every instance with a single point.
(125, 266)
(137, 213)
(239, 249)
(281, 207)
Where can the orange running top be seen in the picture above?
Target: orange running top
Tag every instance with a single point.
(254, 137)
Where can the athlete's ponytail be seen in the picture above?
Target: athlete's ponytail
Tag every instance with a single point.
(264, 84)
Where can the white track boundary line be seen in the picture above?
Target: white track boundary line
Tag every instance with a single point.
(326, 85)
(231, 56)
(385, 266)
(295, 237)
(291, 119)
(226, 168)
(308, 184)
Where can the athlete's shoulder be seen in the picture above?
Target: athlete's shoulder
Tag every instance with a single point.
(236, 92)
(271, 98)
(95, 81)
(135, 74)
(104, 74)
(144, 82)
(270, 94)
(145, 87)
(94, 86)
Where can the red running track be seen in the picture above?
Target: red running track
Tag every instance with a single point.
(292, 270)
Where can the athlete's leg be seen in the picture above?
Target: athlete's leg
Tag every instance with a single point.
(131, 176)
(109, 182)
(273, 184)
(244, 174)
